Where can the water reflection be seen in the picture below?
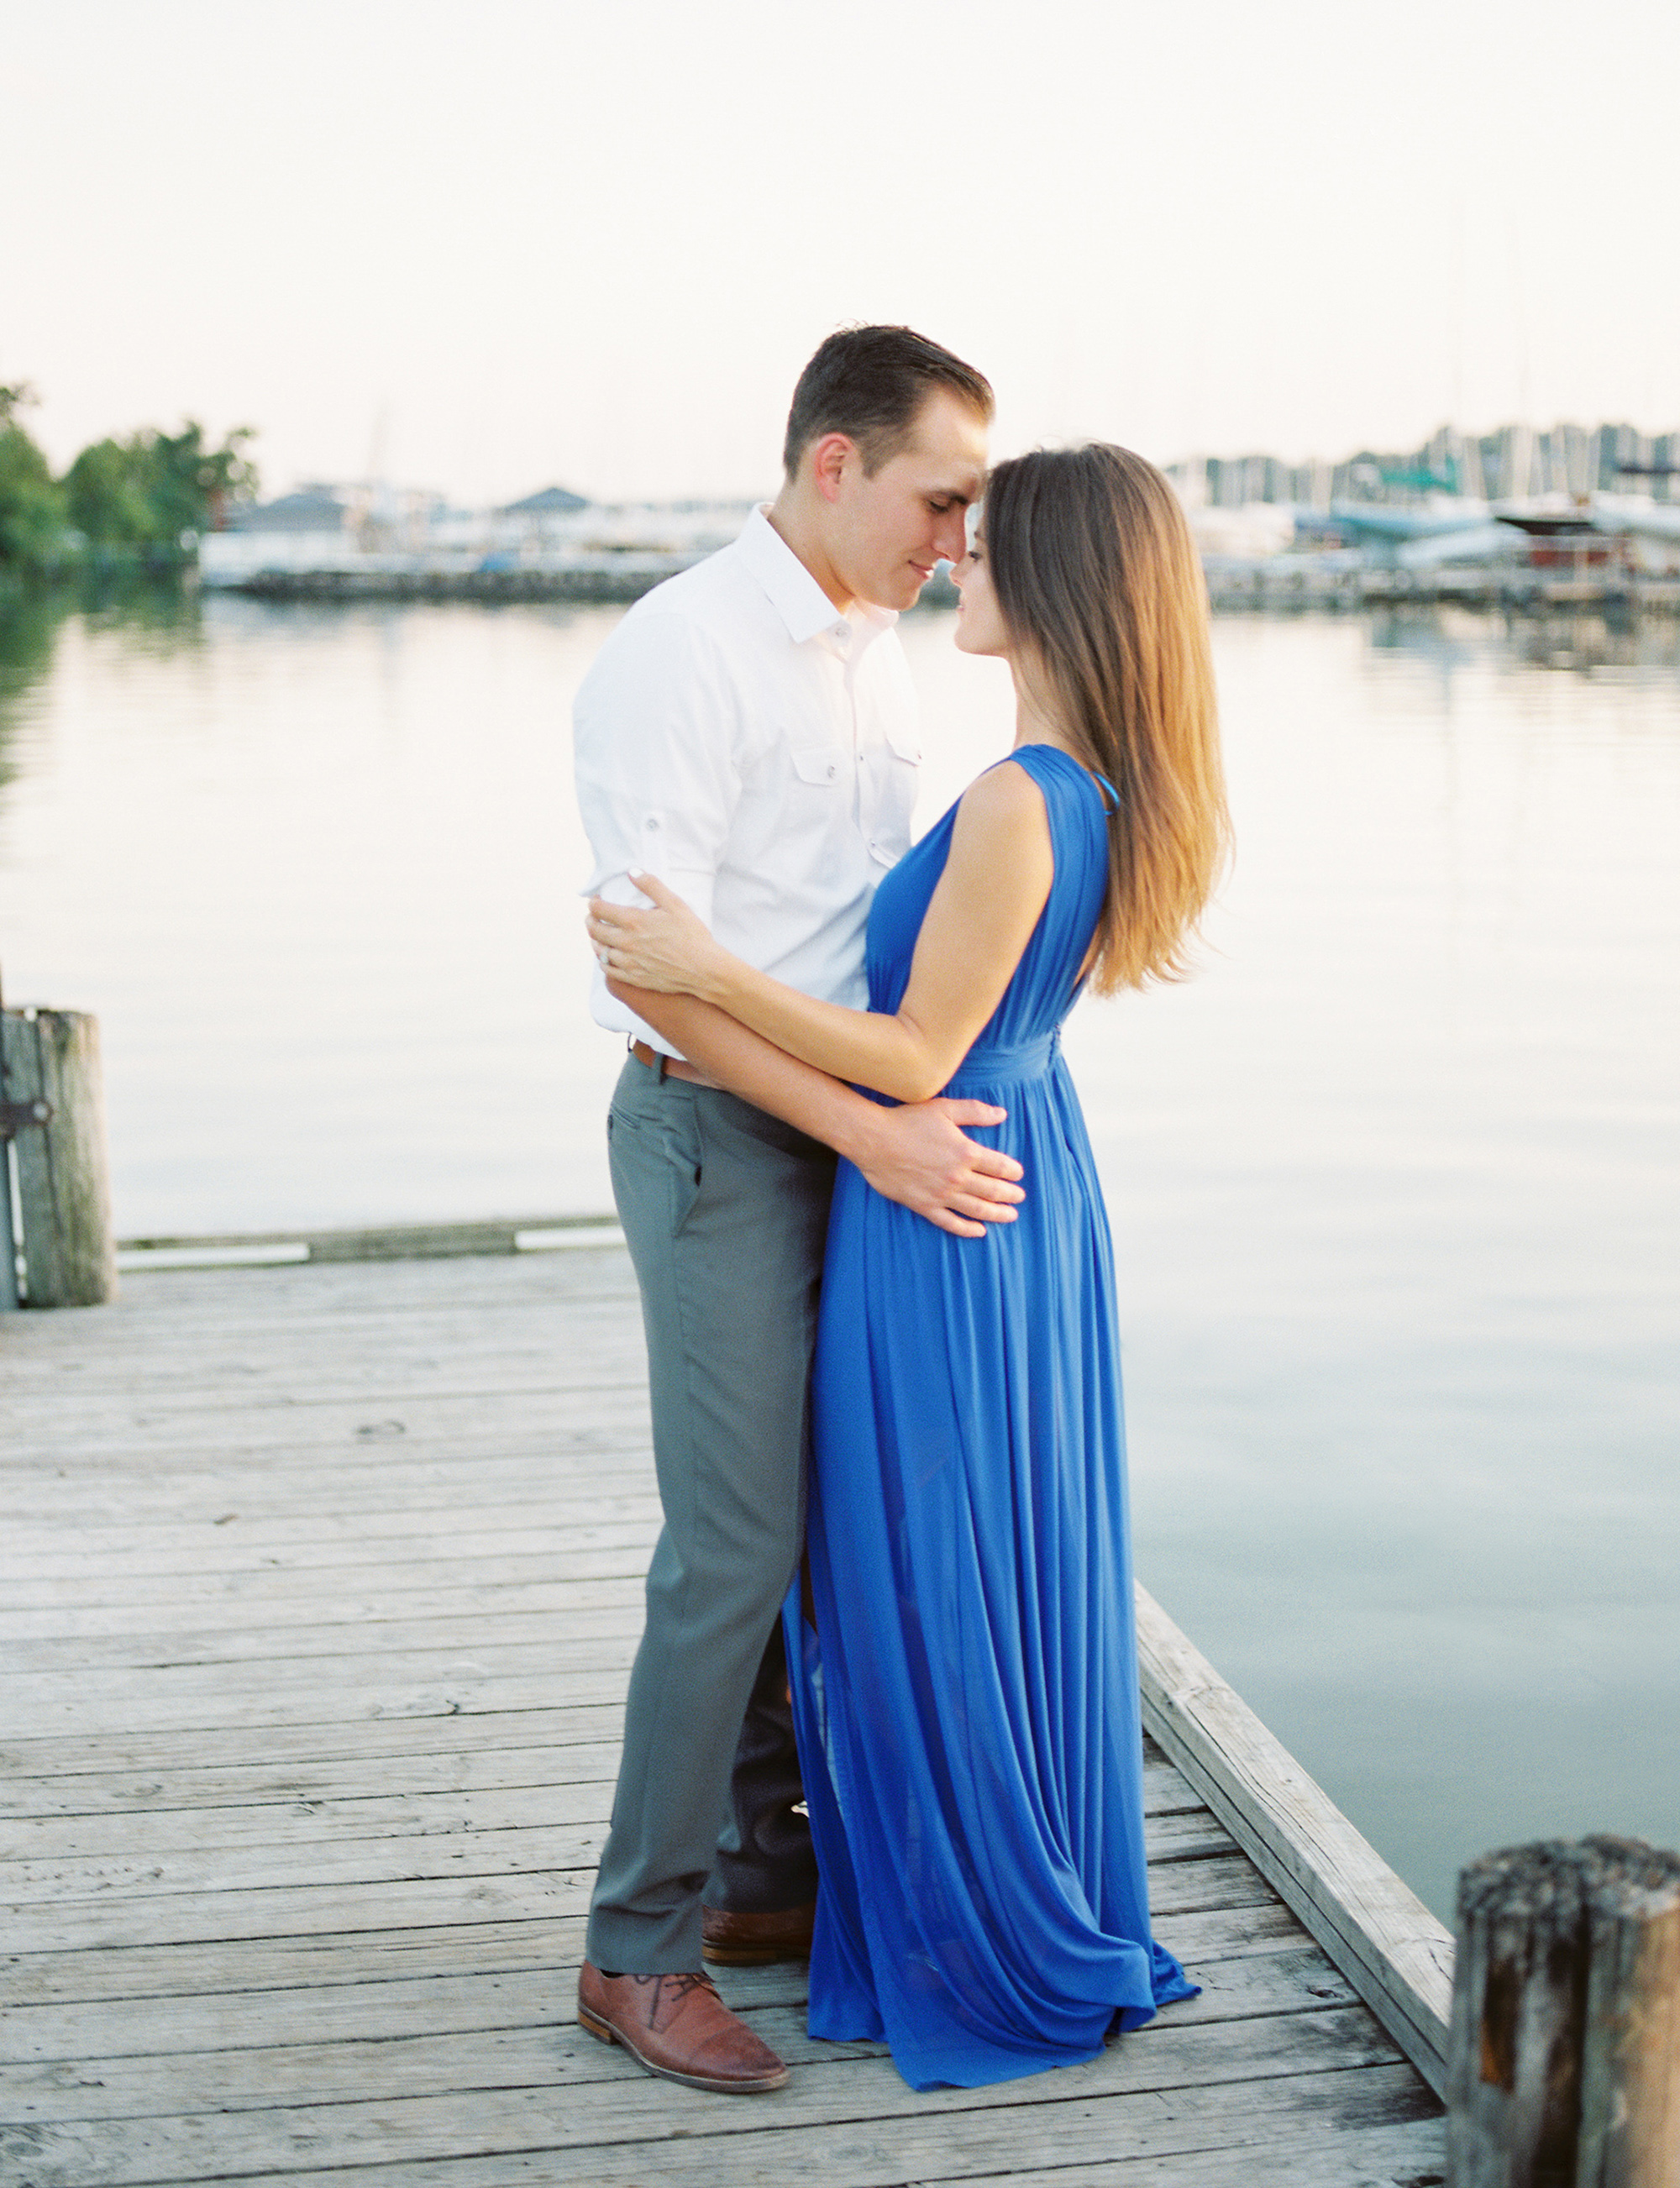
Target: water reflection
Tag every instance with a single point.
(1584, 640)
(30, 623)
(1588, 642)
(160, 619)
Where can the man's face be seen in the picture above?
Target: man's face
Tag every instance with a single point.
(889, 531)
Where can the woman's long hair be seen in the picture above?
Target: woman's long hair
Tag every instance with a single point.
(1102, 593)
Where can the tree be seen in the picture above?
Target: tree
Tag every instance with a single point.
(31, 505)
(191, 485)
(144, 496)
(152, 488)
(109, 490)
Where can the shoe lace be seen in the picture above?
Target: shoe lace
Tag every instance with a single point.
(672, 1992)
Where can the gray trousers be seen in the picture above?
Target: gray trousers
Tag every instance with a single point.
(725, 1210)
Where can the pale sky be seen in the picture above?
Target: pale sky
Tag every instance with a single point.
(524, 242)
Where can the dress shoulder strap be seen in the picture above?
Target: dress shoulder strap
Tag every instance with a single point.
(1050, 755)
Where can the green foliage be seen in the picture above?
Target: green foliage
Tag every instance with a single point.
(31, 504)
(140, 499)
(108, 490)
(193, 484)
(151, 489)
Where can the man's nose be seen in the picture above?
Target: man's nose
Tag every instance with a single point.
(950, 535)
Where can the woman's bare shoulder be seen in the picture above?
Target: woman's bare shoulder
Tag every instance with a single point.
(1000, 851)
(1004, 800)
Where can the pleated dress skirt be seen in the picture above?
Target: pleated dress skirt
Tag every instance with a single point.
(962, 1656)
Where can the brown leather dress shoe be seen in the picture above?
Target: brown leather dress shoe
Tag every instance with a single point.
(753, 1941)
(677, 2026)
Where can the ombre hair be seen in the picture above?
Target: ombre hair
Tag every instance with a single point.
(1102, 594)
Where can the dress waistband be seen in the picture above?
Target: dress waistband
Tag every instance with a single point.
(999, 1067)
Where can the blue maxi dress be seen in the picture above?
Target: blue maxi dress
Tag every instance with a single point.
(967, 1703)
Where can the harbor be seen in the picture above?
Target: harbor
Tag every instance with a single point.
(1512, 520)
(321, 1586)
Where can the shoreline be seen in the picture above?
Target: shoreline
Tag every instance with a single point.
(1276, 583)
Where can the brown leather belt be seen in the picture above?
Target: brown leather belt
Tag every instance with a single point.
(670, 1066)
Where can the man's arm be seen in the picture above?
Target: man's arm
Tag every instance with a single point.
(994, 887)
(918, 1155)
(657, 780)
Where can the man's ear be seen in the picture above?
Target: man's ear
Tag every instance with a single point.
(828, 459)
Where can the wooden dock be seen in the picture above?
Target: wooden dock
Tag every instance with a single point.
(318, 1587)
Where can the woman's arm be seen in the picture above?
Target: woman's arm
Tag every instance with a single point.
(996, 879)
(918, 1156)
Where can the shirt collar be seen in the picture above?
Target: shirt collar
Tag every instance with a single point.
(793, 592)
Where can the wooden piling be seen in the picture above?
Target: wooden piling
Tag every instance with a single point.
(63, 1180)
(9, 1252)
(1565, 2063)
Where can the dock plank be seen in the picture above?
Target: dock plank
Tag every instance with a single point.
(310, 1845)
(303, 1826)
(335, 1959)
(73, 1921)
(355, 2047)
(534, 2136)
(318, 1587)
(856, 2092)
(107, 2037)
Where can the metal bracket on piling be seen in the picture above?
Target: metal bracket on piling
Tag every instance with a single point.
(14, 1117)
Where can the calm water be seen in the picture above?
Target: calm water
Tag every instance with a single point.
(1394, 1182)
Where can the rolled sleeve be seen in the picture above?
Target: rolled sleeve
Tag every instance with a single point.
(658, 782)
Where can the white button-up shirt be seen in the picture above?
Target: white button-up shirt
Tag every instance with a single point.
(741, 739)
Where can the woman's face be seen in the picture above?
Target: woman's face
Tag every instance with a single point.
(979, 624)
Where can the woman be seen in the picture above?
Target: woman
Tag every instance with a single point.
(963, 1666)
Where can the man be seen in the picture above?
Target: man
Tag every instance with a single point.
(748, 734)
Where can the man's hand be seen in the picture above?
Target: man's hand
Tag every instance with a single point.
(920, 1156)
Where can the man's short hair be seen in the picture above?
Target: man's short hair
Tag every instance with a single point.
(870, 383)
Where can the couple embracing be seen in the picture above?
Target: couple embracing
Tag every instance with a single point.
(913, 1752)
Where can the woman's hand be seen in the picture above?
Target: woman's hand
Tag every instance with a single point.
(666, 950)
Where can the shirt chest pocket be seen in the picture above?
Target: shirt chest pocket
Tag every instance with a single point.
(888, 800)
(820, 765)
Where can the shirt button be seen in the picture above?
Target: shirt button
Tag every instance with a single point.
(653, 828)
